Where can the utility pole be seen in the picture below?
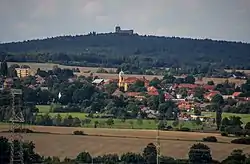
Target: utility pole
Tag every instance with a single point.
(16, 121)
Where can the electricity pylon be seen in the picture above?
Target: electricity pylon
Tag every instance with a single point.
(16, 121)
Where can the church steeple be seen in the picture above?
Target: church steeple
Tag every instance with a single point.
(121, 84)
(121, 76)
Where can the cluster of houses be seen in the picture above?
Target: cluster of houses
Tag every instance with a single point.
(184, 102)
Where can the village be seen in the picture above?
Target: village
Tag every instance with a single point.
(192, 98)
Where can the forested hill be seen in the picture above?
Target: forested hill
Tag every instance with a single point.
(113, 49)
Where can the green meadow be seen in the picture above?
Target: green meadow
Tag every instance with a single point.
(133, 123)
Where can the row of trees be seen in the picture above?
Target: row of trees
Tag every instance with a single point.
(233, 126)
(198, 153)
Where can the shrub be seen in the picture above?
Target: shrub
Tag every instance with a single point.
(78, 132)
(210, 139)
(245, 140)
(185, 129)
(161, 125)
(224, 134)
(168, 128)
(86, 121)
(24, 130)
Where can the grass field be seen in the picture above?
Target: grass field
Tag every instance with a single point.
(118, 123)
(244, 117)
(127, 124)
(134, 123)
(103, 141)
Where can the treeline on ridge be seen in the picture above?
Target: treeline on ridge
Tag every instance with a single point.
(111, 50)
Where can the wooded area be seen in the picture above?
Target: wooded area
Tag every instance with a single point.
(135, 51)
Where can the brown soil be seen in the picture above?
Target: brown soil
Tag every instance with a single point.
(48, 66)
(103, 141)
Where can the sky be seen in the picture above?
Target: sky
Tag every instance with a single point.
(213, 19)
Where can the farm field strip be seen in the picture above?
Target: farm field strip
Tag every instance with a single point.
(48, 66)
(122, 137)
(149, 134)
(71, 145)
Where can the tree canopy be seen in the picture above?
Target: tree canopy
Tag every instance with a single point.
(111, 49)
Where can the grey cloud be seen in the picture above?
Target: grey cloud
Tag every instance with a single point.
(28, 19)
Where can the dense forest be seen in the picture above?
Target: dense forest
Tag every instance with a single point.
(112, 50)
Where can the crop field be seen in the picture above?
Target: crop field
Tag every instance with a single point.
(49, 66)
(150, 77)
(245, 71)
(102, 141)
(83, 70)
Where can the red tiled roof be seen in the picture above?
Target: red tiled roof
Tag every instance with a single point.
(208, 87)
(189, 86)
(236, 94)
(211, 94)
(130, 80)
(132, 94)
(146, 84)
(153, 93)
(152, 89)
(168, 96)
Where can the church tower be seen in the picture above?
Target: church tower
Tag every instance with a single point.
(121, 84)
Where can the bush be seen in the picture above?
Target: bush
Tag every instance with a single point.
(245, 140)
(24, 130)
(184, 129)
(210, 139)
(86, 121)
(168, 128)
(78, 132)
(224, 134)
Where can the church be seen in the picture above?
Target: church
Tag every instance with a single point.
(123, 83)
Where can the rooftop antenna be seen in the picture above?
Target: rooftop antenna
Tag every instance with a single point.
(16, 121)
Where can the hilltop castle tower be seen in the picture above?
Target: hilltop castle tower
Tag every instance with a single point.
(118, 30)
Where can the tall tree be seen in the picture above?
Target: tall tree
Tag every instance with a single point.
(218, 102)
(4, 68)
(218, 117)
(200, 154)
(150, 154)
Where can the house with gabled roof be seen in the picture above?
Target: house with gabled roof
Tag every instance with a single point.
(168, 96)
(211, 94)
(152, 91)
(236, 95)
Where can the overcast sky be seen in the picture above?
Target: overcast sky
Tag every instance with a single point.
(215, 19)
